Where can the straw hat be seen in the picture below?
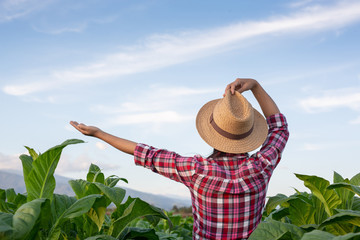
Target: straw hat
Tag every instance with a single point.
(231, 124)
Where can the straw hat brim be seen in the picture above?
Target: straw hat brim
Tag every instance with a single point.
(221, 143)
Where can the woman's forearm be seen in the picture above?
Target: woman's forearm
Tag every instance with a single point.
(121, 144)
(267, 104)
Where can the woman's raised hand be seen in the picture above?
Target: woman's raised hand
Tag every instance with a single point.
(241, 85)
(84, 129)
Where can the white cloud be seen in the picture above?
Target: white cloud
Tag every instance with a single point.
(355, 121)
(55, 31)
(81, 163)
(159, 51)
(153, 117)
(101, 145)
(10, 162)
(155, 98)
(331, 99)
(14, 9)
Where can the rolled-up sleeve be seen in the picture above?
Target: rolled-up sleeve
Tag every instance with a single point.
(166, 163)
(270, 153)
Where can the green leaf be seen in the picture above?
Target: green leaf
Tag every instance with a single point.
(101, 237)
(112, 180)
(32, 153)
(27, 165)
(77, 209)
(344, 216)
(272, 230)
(130, 210)
(318, 187)
(356, 204)
(301, 213)
(83, 188)
(355, 180)
(40, 181)
(95, 174)
(317, 235)
(98, 211)
(353, 188)
(115, 194)
(139, 233)
(6, 229)
(25, 217)
(275, 201)
(60, 204)
(321, 235)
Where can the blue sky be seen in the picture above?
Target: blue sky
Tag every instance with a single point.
(142, 69)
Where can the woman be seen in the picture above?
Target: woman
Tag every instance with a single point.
(228, 188)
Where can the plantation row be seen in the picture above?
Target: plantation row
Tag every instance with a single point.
(328, 212)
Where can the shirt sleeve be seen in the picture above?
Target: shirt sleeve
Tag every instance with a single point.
(166, 163)
(270, 152)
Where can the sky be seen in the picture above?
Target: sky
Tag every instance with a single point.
(141, 70)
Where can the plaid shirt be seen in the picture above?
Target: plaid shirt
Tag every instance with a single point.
(228, 192)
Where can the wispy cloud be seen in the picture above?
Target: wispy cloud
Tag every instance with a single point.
(331, 99)
(159, 51)
(155, 98)
(77, 28)
(155, 105)
(14, 9)
(153, 117)
(10, 161)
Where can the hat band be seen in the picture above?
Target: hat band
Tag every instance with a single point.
(227, 134)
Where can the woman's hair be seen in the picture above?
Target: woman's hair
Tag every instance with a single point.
(216, 153)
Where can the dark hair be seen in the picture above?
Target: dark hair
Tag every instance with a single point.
(216, 153)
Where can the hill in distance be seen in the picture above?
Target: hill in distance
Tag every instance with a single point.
(14, 179)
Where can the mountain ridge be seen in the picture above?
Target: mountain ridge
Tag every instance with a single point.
(14, 179)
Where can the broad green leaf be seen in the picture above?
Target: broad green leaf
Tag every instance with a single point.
(6, 220)
(301, 213)
(10, 195)
(25, 217)
(139, 233)
(344, 216)
(356, 204)
(272, 230)
(79, 187)
(83, 188)
(355, 180)
(115, 194)
(317, 235)
(81, 206)
(112, 180)
(101, 237)
(95, 174)
(275, 201)
(77, 209)
(353, 188)
(60, 204)
(26, 164)
(32, 153)
(40, 182)
(318, 187)
(98, 211)
(278, 214)
(130, 210)
(321, 235)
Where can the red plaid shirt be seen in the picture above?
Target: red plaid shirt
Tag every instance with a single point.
(228, 192)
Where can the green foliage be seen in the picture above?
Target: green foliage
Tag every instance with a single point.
(41, 214)
(327, 212)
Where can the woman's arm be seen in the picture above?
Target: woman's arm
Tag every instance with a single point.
(122, 144)
(267, 104)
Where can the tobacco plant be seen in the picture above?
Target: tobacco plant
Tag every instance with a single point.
(330, 211)
(41, 214)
